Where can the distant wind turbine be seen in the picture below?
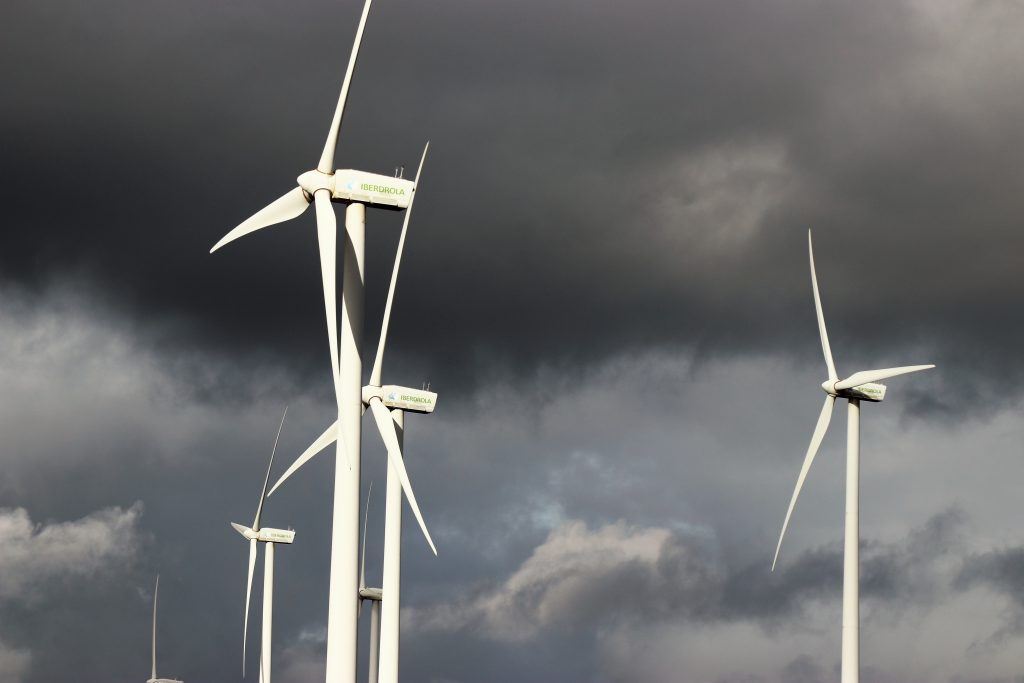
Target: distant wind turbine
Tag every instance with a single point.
(152, 677)
(268, 537)
(860, 386)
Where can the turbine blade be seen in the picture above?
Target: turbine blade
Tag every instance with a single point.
(386, 427)
(378, 361)
(362, 552)
(329, 436)
(327, 157)
(327, 236)
(825, 348)
(240, 529)
(156, 593)
(819, 433)
(248, 594)
(263, 495)
(865, 376)
(280, 210)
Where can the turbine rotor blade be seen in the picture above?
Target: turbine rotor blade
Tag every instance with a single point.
(327, 157)
(248, 594)
(378, 361)
(362, 552)
(156, 594)
(329, 436)
(240, 529)
(386, 427)
(327, 236)
(263, 495)
(819, 433)
(825, 348)
(865, 376)
(280, 210)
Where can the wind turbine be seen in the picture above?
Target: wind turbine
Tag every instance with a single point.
(860, 386)
(268, 537)
(388, 403)
(357, 189)
(153, 678)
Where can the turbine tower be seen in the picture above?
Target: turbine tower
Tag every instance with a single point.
(860, 386)
(152, 677)
(357, 189)
(268, 537)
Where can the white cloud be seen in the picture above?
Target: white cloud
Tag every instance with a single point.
(35, 554)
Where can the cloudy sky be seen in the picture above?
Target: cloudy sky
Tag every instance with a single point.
(606, 281)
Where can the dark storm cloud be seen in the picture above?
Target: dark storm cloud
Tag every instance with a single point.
(602, 177)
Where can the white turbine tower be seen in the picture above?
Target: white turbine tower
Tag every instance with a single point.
(388, 403)
(268, 537)
(860, 386)
(321, 186)
(152, 677)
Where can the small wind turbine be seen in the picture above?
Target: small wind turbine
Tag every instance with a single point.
(357, 189)
(153, 678)
(268, 537)
(860, 386)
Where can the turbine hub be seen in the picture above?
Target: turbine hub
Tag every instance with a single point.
(312, 181)
(829, 387)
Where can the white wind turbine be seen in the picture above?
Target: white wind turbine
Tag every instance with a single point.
(268, 537)
(860, 386)
(388, 403)
(321, 186)
(152, 677)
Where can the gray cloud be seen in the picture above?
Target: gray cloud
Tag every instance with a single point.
(14, 663)
(583, 579)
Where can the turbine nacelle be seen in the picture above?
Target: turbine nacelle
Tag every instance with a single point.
(404, 398)
(375, 594)
(266, 534)
(349, 185)
(869, 391)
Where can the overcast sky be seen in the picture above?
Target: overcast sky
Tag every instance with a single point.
(605, 280)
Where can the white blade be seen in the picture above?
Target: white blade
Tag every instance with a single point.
(329, 436)
(825, 348)
(865, 376)
(362, 553)
(327, 158)
(327, 236)
(378, 361)
(156, 592)
(263, 494)
(240, 529)
(812, 450)
(386, 427)
(248, 593)
(280, 210)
